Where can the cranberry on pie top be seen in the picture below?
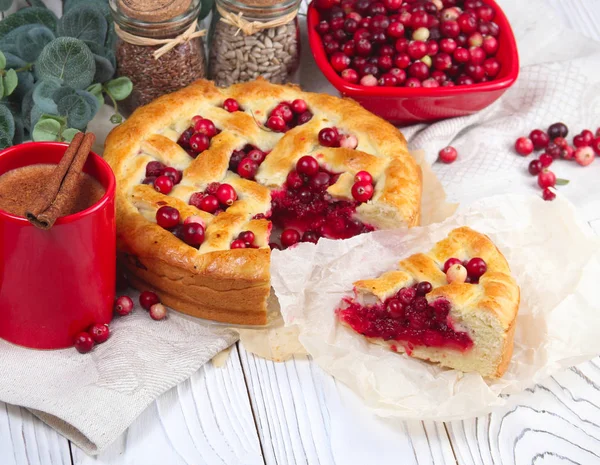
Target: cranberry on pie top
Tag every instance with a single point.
(210, 179)
(455, 305)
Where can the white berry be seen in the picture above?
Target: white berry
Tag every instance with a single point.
(456, 274)
(158, 312)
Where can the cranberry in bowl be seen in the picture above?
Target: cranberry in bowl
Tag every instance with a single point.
(410, 61)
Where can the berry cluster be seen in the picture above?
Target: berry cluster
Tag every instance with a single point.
(215, 198)
(96, 334)
(245, 240)
(191, 231)
(467, 271)
(196, 139)
(162, 177)
(245, 162)
(286, 116)
(407, 43)
(555, 146)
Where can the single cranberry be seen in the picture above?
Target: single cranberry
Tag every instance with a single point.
(184, 138)
(299, 106)
(195, 219)
(546, 178)
(545, 160)
(461, 55)
(432, 48)
(439, 76)
(163, 184)
(209, 203)
(447, 45)
(276, 123)
(524, 146)
(308, 165)
(336, 24)
(424, 287)
(485, 13)
(548, 195)
(558, 130)
(402, 60)
(84, 342)
(99, 332)
(388, 80)
(154, 168)
(392, 5)
(376, 9)
(369, 80)
(193, 234)
(174, 174)
(307, 115)
(329, 137)
(206, 127)
(419, 70)
(417, 49)
(310, 236)
(535, 167)
(450, 29)
(147, 299)
(363, 176)
(350, 26)
(322, 28)
(492, 29)
(490, 45)
(395, 30)
(442, 61)
(401, 45)
(285, 111)
(331, 47)
(248, 237)
(363, 47)
(412, 82)
(476, 55)
(539, 138)
(476, 72)
(294, 180)
(448, 154)
(584, 155)
(167, 217)
(320, 181)
(238, 244)
(491, 67)
(199, 142)
(588, 136)
(596, 145)
(579, 141)
(289, 237)
(553, 150)
(158, 312)
(362, 191)
(450, 262)
(462, 40)
(247, 168)
(476, 267)
(467, 23)
(123, 305)
(350, 75)
(464, 80)
(385, 63)
(450, 14)
(406, 295)
(395, 308)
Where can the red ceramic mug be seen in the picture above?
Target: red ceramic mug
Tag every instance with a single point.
(56, 283)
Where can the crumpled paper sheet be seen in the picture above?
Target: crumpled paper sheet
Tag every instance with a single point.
(554, 259)
(280, 343)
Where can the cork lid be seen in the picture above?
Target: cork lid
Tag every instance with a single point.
(262, 4)
(154, 11)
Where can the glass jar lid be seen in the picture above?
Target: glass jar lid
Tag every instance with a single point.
(259, 10)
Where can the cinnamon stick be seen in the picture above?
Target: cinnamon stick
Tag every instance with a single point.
(62, 187)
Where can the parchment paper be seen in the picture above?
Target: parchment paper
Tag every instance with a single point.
(554, 259)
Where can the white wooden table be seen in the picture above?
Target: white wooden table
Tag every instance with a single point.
(254, 411)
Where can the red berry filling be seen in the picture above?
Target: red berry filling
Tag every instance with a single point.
(245, 240)
(215, 198)
(476, 267)
(288, 115)
(190, 232)
(196, 139)
(162, 177)
(406, 317)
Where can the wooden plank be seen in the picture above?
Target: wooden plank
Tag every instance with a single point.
(305, 417)
(25, 440)
(554, 422)
(205, 420)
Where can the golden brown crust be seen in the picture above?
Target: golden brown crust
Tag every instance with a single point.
(495, 299)
(151, 133)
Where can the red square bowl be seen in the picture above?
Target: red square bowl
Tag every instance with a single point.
(403, 105)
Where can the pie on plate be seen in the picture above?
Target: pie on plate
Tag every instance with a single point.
(209, 180)
(455, 305)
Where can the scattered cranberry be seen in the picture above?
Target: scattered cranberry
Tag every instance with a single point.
(247, 168)
(448, 154)
(226, 194)
(539, 138)
(231, 105)
(363, 176)
(424, 287)
(524, 146)
(476, 267)
(362, 191)
(199, 142)
(548, 195)
(147, 299)
(154, 168)
(546, 179)
(308, 165)
(545, 160)
(206, 127)
(123, 305)
(163, 184)
(100, 333)
(209, 204)
(193, 234)
(457, 273)
(238, 244)
(299, 106)
(596, 145)
(158, 312)
(289, 237)
(535, 167)
(329, 137)
(584, 155)
(248, 237)
(558, 130)
(450, 262)
(167, 217)
(276, 124)
(84, 343)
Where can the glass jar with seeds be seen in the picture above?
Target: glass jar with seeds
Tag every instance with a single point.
(159, 47)
(251, 38)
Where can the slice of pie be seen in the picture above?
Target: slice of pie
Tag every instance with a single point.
(455, 305)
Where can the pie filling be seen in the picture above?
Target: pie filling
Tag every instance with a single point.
(407, 318)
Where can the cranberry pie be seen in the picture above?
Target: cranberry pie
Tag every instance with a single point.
(455, 305)
(205, 174)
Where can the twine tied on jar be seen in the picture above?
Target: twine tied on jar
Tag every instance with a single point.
(252, 27)
(167, 44)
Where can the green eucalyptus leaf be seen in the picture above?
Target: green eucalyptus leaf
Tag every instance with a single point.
(39, 3)
(47, 129)
(96, 91)
(8, 43)
(33, 15)
(85, 22)
(5, 142)
(111, 36)
(43, 95)
(61, 119)
(102, 5)
(13, 61)
(68, 59)
(5, 4)
(24, 85)
(69, 133)
(119, 88)
(91, 100)
(2, 60)
(77, 110)
(61, 92)
(7, 123)
(1, 88)
(19, 130)
(31, 43)
(35, 115)
(26, 107)
(104, 69)
(10, 82)
(110, 56)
